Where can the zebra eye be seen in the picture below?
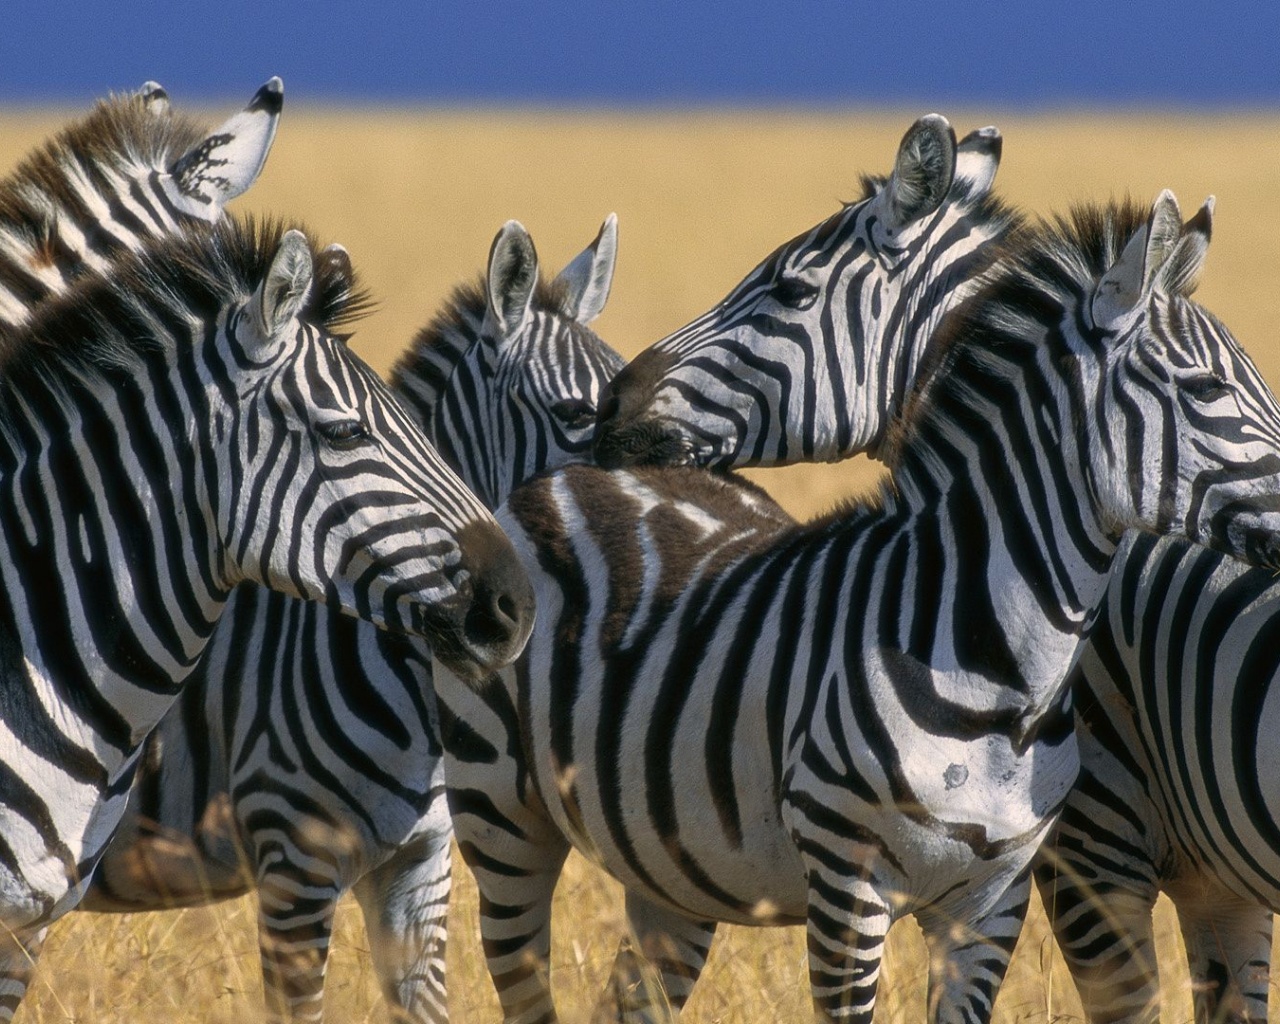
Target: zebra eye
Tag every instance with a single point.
(344, 435)
(794, 291)
(1206, 387)
(574, 413)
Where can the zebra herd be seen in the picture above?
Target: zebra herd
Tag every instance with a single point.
(268, 624)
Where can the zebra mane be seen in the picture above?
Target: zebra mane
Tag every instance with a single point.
(1038, 274)
(120, 131)
(106, 322)
(438, 348)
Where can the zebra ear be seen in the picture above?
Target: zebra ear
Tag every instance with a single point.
(1181, 272)
(923, 171)
(589, 276)
(978, 159)
(336, 261)
(227, 160)
(513, 273)
(154, 99)
(284, 291)
(1129, 281)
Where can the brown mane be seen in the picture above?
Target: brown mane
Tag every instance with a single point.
(120, 131)
(98, 321)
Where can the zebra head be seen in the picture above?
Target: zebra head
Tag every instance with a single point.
(1180, 374)
(809, 357)
(507, 379)
(130, 171)
(336, 494)
(1084, 384)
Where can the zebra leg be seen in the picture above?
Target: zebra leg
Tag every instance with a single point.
(657, 964)
(847, 923)
(968, 960)
(1228, 943)
(18, 955)
(406, 906)
(516, 869)
(295, 922)
(1102, 921)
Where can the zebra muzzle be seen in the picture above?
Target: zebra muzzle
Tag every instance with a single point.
(485, 626)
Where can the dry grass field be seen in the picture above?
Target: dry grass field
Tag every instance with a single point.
(416, 198)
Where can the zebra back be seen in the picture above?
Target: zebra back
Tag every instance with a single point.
(129, 171)
(808, 358)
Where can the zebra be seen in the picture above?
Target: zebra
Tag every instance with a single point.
(809, 357)
(716, 706)
(1175, 841)
(1175, 697)
(186, 423)
(130, 171)
(304, 756)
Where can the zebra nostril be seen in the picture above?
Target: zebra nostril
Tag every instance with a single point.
(507, 608)
(499, 612)
(494, 618)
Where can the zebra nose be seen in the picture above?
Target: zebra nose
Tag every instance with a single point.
(499, 618)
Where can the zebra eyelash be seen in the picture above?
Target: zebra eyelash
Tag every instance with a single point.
(345, 435)
(1205, 387)
(795, 292)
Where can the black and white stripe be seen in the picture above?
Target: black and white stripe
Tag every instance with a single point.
(130, 171)
(1176, 698)
(1149, 846)
(185, 424)
(304, 758)
(846, 722)
(810, 356)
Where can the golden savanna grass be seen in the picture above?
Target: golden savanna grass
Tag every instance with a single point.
(701, 197)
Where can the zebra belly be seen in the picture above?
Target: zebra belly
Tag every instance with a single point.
(699, 869)
(703, 836)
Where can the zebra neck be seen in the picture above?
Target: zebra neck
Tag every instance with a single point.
(108, 547)
(877, 374)
(1019, 559)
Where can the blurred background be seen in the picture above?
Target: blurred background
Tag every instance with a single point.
(716, 131)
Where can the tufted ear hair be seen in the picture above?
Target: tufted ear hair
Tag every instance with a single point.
(978, 159)
(1181, 272)
(337, 261)
(1132, 277)
(589, 275)
(923, 171)
(154, 98)
(227, 160)
(284, 291)
(513, 273)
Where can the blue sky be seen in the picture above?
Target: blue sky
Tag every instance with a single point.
(1029, 54)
